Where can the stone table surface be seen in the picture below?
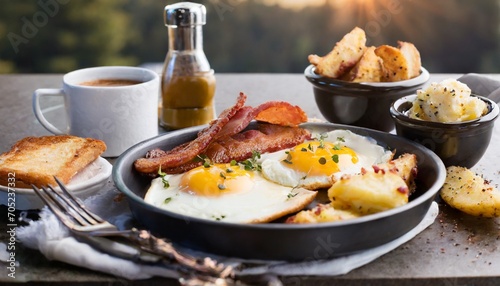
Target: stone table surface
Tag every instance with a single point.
(457, 249)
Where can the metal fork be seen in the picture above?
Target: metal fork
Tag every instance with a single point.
(91, 228)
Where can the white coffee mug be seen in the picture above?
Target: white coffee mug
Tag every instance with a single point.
(121, 115)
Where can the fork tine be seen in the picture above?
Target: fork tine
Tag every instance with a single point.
(72, 212)
(77, 205)
(66, 206)
(53, 207)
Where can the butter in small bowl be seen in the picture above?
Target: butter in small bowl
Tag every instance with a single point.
(449, 120)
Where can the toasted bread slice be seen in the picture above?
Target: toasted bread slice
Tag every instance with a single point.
(399, 63)
(368, 69)
(343, 56)
(36, 160)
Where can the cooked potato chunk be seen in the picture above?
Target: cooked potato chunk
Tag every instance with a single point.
(345, 54)
(382, 187)
(368, 69)
(369, 192)
(321, 213)
(405, 166)
(468, 192)
(351, 60)
(394, 63)
(400, 63)
(412, 56)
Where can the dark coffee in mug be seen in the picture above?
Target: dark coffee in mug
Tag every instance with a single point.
(110, 82)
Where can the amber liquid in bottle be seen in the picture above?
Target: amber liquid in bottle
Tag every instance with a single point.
(188, 100)
(188, 82)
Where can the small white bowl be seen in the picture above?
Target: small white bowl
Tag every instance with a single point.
(87, 182)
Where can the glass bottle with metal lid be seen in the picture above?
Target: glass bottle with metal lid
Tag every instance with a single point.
(188, 82)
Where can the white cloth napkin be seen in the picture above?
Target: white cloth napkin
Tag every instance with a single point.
(54, 241)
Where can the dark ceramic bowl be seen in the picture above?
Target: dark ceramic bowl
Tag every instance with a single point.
(279, 241)
(360, 104)
(457, 144)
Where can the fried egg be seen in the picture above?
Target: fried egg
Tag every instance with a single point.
(318, 163)
(226, 192)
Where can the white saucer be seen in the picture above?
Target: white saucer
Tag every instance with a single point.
(89, 181)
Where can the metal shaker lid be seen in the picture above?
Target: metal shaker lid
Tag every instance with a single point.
(185, 14)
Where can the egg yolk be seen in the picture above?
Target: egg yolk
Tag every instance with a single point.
(216, 180)
(319, 158)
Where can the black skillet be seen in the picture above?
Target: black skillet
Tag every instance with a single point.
(278, 241)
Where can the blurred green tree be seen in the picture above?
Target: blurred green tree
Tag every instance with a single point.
(148, 36)
(59, 36)
(245, 35)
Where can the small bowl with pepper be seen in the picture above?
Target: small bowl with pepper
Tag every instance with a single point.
(447, 119)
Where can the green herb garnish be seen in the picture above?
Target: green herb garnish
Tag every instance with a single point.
(251, 164)
(219, 218)
(322, 140)
(292, 194)
(335, 158)
(288, 158)
(165, 182)
(206, 161)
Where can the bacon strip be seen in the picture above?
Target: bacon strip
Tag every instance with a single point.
(230, 144)
(275, 112)
(183, 168)
(280, 113)
(238, 122)
(267, 138)
(193, 148)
